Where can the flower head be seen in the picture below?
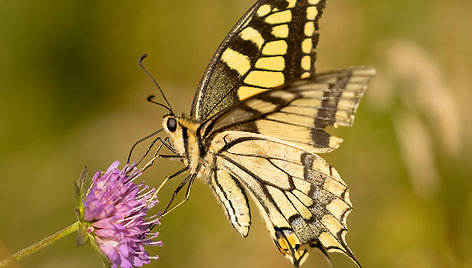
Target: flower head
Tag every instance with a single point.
(113, 216)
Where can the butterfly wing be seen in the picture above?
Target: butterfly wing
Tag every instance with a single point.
(299, 112)
(232, 196)
(302, 198)
(272, 44)
(268, 143)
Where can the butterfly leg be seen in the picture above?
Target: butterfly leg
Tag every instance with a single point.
(156, 155)
(149, 148)
(188, 180)
(166, 143)
(166, 180)
(176, 156)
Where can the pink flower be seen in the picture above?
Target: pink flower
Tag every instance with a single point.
(113, 216)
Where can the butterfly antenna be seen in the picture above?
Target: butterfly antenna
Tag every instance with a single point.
(151, 99)
(155, 83)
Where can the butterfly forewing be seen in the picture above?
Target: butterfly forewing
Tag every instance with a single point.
(299, 112)
(273, 44)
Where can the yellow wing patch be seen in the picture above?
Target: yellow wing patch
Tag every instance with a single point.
(279, 17)
(311, 12)
(280, 31)
(245, 92)
(252, 35)
(263, 10)
(236, 61)
(275, 48)
(264, 79)
(276, 63)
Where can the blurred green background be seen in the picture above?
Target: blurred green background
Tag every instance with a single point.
(71, 95)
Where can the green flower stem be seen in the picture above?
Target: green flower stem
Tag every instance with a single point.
(39, 245)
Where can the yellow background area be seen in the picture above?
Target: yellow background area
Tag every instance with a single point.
(71, 94)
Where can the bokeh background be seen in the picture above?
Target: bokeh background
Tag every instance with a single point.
(71, 94)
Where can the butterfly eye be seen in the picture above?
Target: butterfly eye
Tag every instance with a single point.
(171, 124)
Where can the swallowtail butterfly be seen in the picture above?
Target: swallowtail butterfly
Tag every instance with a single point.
(257, 125)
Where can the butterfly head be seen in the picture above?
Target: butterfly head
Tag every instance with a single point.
(170, 123)
(181, 131)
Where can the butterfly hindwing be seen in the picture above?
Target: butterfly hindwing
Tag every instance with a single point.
(302, 198)
(273, 44)
(233, 199)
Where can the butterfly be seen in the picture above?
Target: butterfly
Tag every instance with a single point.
(258, 122)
